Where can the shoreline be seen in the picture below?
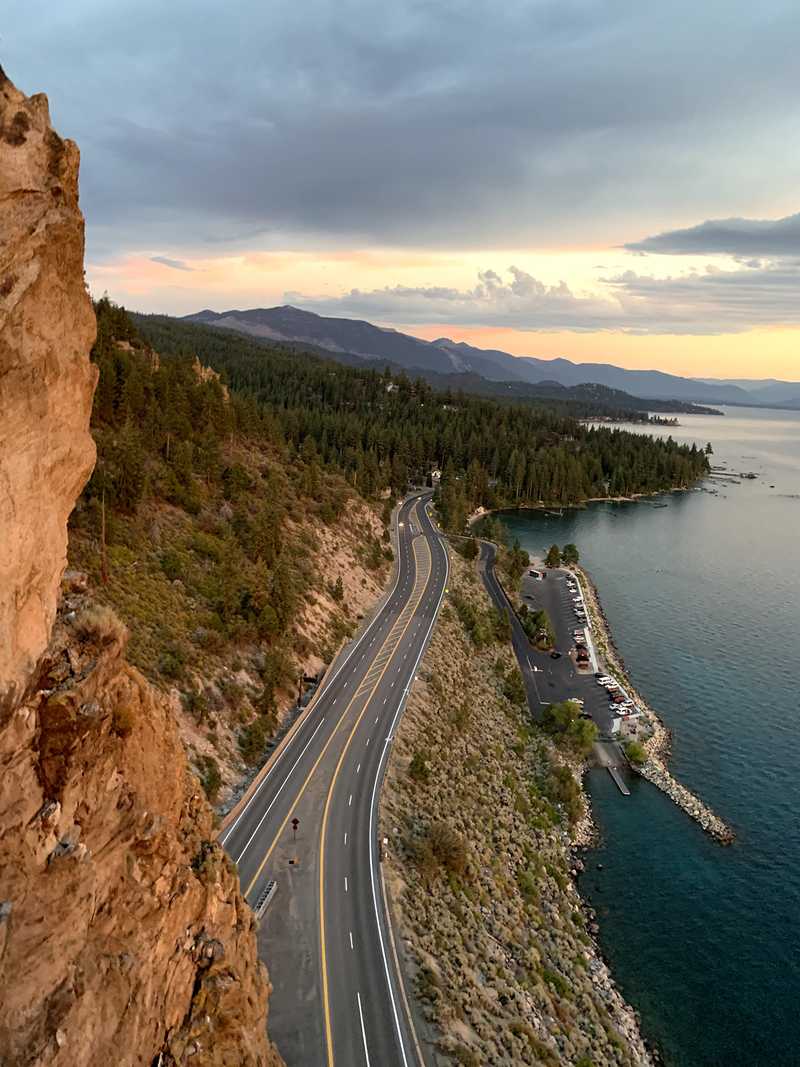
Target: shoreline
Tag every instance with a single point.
(482, 513)
(658, 746)
(578, 841)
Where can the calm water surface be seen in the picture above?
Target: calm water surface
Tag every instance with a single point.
(703, 597)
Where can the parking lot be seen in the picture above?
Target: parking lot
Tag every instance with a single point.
(557, 679)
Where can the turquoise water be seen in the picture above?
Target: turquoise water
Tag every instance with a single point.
(703, 597)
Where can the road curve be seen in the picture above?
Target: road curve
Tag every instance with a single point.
(337, 996)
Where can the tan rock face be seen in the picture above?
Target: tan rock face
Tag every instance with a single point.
(46, 380)
(124, 938)
(123, 934)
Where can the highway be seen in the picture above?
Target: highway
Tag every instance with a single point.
(337, 994)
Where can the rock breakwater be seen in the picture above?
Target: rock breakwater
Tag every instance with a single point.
(657, 746)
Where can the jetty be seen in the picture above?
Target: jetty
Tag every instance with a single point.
(654, 769)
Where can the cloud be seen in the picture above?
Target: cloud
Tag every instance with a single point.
(746, 239)
(441, 124)
(175, 264)
(713, 301)
(521, 301)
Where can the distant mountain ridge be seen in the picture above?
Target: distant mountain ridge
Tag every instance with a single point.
(443, 356)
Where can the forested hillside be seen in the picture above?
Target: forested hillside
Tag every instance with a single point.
(238, 561)
(381, 431)
(233, 516)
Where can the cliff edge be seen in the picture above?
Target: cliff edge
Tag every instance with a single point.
(124, 937)
(46, 380)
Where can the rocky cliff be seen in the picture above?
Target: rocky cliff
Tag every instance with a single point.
(123, 935)
(46, 380)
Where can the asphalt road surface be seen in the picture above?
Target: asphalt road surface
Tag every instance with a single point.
(337, 994)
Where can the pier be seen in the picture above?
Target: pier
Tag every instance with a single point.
(609, 755)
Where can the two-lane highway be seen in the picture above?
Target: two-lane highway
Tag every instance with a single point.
(337, 995)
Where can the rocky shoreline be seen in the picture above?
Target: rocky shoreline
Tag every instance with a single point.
(658, 745)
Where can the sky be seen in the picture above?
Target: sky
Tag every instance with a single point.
(605, 181)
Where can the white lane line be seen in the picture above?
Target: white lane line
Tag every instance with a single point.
(280, 790)
(358, 768)
(351, 940)
(372, 810)
(367, 740)
(345, 837)
(363, 1031)
(345, 883)
(381, 615)
(376, 718)
(350, 801)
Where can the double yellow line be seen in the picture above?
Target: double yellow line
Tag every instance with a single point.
(321, 756)
(421, 585)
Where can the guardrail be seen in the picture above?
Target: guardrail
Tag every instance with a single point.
(265, 897)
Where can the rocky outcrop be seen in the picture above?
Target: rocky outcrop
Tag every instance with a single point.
(124, 937)
(123, 927)
(46, 380)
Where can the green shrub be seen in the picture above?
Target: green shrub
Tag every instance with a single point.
(514, 687)
(557, 981)
(636, 752)
(210, 778)
(418, 766)
(253, 740)
(171, 565)
(442, 847)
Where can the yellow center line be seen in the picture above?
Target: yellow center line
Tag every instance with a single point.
(308, 778)
(325, 1000)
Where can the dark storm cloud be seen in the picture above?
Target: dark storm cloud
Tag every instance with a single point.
(742, 238)
(428, 124)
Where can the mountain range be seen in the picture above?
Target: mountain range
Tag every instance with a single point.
(354, 337)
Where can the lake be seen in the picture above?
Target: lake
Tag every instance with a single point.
(703, 598)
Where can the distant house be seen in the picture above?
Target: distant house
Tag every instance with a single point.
(436, 477)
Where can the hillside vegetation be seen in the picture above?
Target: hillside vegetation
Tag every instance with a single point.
(380, 431)
(238, 560)
(236, 516)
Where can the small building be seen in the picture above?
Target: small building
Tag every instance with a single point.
(436, 477)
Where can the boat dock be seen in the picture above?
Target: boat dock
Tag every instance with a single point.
(608, 754)
(619, 782)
